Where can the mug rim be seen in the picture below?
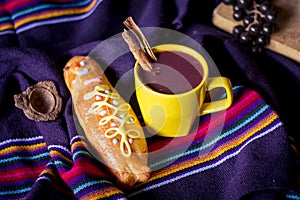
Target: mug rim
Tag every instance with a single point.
(181, 48)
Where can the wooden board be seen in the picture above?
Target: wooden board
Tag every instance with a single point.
(286, 38)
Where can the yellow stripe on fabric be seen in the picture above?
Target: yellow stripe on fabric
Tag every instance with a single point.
(104, 193)
(77, 144)
(26, 148)
(218, 151)
(6, 26)
(47, 171)
(56, 13)
(59, 154)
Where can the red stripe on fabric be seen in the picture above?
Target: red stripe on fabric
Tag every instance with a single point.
(246, 99)
(20, 173)
(12, 5)
(80, 168)
(61, 1)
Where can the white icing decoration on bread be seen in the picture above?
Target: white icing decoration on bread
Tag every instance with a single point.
(120, 117)
(123, 108)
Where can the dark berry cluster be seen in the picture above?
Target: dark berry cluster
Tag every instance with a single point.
(258, 18)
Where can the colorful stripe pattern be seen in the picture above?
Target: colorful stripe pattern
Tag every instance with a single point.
(22, 15)
(295, 194)
(22, 160)
(85, 178)
(215, 141)
(246, 121)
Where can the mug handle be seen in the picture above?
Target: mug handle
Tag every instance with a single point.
(215, 106)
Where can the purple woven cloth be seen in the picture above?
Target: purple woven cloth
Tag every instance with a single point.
(40, 53)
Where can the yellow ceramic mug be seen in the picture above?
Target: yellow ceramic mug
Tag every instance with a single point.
(172, 115)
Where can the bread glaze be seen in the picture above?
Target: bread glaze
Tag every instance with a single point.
(108, 121)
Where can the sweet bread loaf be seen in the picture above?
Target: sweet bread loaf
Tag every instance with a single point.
(109, 123)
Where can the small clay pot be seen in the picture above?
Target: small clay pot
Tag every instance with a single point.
(40, 102)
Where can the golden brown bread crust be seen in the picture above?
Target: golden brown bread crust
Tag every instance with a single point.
(109, 123)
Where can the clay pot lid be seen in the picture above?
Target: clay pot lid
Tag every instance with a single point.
(40, 102)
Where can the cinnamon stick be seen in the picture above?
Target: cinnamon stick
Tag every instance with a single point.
(137, 52)
(131, 25)
(143, 53)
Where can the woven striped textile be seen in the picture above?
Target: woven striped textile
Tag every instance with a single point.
(22, 15)
(25, 162)
(51, 161)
